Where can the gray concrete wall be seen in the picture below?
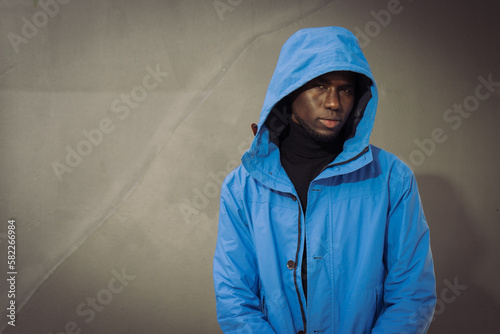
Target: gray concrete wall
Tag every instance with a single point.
(118, 120)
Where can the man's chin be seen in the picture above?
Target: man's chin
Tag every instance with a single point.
(322, 137)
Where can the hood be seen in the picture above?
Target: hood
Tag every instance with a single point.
(306, 55)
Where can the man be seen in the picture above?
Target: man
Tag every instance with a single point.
(319, 231)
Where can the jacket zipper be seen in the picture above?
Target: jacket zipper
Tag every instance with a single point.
(304, 320)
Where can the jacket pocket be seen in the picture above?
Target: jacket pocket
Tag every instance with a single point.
(380, 300)
(279, 316)
(379, 303)
(363, 310)
(263, 307)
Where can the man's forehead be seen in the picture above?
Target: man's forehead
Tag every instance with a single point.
(337, 77)
(346, 76)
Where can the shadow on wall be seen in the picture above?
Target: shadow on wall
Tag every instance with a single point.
(464, 305)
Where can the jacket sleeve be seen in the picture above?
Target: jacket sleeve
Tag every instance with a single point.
(235, 271)
(410, 285)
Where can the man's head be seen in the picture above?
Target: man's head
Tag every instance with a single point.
(322, 106)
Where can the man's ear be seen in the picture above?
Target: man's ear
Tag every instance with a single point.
(254, 128)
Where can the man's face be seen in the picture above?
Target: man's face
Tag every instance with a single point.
(323, 105)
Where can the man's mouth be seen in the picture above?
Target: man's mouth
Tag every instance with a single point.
(329, 123)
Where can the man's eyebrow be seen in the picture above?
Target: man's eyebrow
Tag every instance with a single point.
(320, 80)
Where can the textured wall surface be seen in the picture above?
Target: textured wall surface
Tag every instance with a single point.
(119, 120)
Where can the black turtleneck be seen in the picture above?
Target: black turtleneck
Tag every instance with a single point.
(303, 158)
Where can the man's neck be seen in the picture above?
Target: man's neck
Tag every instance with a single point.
(300, 144)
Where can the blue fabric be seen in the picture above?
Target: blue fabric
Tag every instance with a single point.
(369, 263)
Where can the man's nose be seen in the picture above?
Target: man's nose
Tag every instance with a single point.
(332, 100)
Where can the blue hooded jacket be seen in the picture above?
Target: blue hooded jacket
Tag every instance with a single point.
(369, 263)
